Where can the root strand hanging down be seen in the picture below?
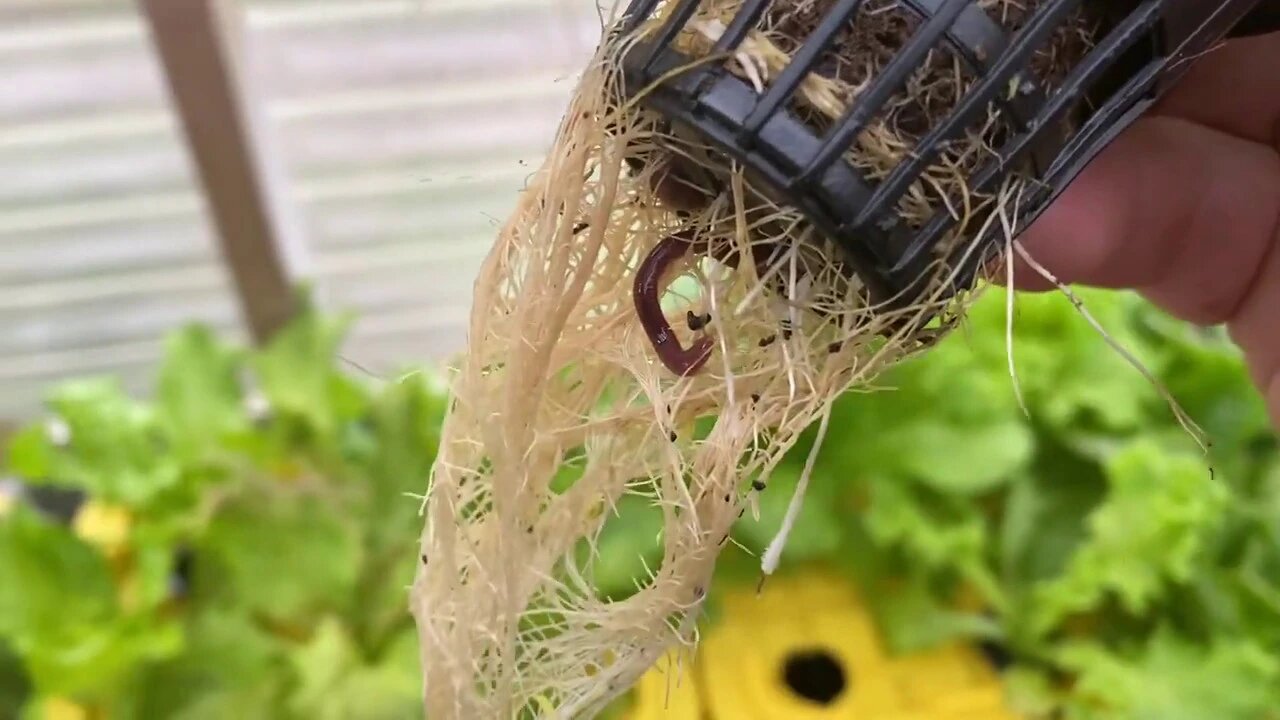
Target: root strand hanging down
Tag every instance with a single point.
(646, 330)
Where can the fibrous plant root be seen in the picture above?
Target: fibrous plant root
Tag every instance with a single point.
(645, 327)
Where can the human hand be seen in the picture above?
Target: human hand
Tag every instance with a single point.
(1184, 207)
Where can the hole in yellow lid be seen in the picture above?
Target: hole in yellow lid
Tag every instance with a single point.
(815, 675)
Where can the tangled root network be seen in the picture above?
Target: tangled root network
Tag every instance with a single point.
(643, 328)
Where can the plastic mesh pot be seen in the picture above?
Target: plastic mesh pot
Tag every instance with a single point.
(1050, 130)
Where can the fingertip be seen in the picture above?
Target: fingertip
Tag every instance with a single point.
(1126, 217)
(1068, 240)
(1154, 212)
(1073, 238)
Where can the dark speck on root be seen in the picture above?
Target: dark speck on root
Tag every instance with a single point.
(758, 485)
(697, 322)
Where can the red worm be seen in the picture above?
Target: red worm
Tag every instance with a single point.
(674, 187)
(646, 296)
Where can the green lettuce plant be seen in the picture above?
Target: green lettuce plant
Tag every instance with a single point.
(1124, 572)
(256, 527)
(265, 532)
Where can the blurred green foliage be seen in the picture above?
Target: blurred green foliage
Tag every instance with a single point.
(232, 558)
(1127, 574)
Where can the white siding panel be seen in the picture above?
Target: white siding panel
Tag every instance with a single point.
(428, 212)
(103, 249)
(407, 161)
(78, 80)
(104, 245)
(115, 316)
(477, 130)
(44, 174)
(407, 127)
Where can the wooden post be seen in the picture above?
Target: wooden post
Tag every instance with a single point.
(199, 45)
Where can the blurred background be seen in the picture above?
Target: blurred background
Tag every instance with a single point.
(397, 144)
(237, 237)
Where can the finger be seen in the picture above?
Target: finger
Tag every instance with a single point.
(1182, 213)
(1188, 216)
(1233, 88)
(1256, 330)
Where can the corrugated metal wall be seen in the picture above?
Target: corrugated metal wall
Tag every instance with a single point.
(406, 127)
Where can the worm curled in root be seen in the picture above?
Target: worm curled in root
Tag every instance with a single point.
(680, 186)
(646, 295)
